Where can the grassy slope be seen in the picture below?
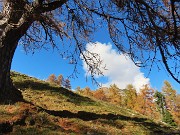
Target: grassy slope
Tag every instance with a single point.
(52, 110)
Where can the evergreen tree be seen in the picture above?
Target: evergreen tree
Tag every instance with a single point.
(165, 114)
(168, 118)
(160, 101)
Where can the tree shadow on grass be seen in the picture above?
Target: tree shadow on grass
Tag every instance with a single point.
(89, 116)
(44, 86)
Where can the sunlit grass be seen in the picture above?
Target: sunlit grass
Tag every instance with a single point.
(53, 110)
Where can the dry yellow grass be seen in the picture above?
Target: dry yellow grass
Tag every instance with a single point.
(51, 110)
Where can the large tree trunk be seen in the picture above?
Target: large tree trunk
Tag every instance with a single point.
(8, 44)
(14, 22)
(10, 34)
(8, 93)
(15, 19)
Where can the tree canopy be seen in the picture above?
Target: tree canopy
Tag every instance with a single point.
(151, 27)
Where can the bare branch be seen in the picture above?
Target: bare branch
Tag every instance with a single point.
(166, 65)
(53, 5)
(150, 27)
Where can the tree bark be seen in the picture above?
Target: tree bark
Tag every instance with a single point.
(9, 39)
(8, 44)
(15, 19)
(8, 93)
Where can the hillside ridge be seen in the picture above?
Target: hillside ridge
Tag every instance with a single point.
(49, 109)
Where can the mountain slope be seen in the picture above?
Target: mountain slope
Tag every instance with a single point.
(51, 110)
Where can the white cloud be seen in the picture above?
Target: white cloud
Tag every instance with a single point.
(121, 70)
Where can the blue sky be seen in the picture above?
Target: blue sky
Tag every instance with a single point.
(43, 63)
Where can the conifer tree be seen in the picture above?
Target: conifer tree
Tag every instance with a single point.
(78, 90)
(168, 118)
(87, 92)
(67, 84)
(145, 102)
(130, 96)
(177, 112)
(172, 103)
(114, 94)
(170, 96)
(99, 94)
(52, 79)
(160, 101)
(60, 80)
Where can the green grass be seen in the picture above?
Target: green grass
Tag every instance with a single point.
(53, 110)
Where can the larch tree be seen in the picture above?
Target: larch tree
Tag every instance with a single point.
(60, 80)
(100, 94)
(151, 28)
(87, 92)
(177, 111)
(52, 79)
(78, 90)
(172, 104)
(130, 96)
(170, 96)
(67, 84)
(114, 94)
(145, 102)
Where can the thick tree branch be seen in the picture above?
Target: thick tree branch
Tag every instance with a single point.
(175, 22)
(145, 25)
(40, 1)
(53, 5)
